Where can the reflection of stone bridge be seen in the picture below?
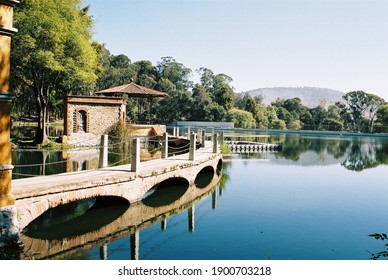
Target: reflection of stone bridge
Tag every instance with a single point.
(137, 217)
(34, 196)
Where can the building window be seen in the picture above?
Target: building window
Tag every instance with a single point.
(82, 121)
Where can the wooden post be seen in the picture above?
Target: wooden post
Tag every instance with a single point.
(188, 132)
(214, 199)
(193, 141)
(203, 139)
(9, 233)
(215, 143)
(103, 159)
(134, 239)
(175, 131)
(104, 252)
(164, 224)
(135, 157)
(165, 145)
(191, 218)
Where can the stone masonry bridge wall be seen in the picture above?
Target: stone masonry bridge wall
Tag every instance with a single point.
(31, 204)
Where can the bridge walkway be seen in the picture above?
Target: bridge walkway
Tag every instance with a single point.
(42, 185)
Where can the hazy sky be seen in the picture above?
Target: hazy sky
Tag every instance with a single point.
(337, 44)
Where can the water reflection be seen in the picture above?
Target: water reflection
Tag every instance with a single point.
(136, 218)
(166, 192)
(353, 153)
(76, 218)
(381, 255)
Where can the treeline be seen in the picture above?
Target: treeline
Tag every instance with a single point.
(214, 99)
(53, 55)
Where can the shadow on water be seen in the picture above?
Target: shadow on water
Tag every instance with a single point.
(73, 239)
(166, 192)
(76, 218)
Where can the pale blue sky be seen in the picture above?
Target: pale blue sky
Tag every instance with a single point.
(338, 44)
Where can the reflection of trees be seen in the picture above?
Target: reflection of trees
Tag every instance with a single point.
(384, 253)
(225, 176)
(33, 163)
(361, 156)
(294, 146)
(359, 153)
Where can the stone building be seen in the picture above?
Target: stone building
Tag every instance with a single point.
(93, 115)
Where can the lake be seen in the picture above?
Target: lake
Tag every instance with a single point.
(319, 198)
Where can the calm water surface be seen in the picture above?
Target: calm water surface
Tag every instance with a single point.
(318, 199)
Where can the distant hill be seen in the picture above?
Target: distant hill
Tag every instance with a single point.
(310, 96)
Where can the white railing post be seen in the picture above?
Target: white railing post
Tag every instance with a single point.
(165, 145)
(203, 139)
(176, 131)
(193, 139)
(135, 245)
(215, 143)
(135, 155)
(191, 218)
(103, 159)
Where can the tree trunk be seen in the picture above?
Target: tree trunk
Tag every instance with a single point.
(41, 105)
(41, 131)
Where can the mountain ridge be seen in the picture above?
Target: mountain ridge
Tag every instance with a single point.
(310, 96)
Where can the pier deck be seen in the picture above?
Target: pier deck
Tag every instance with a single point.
(42, 185)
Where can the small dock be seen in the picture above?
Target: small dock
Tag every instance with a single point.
(252, 147)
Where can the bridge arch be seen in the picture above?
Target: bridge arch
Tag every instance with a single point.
(39, 208)
(166, 192)
(33, 201)
(219, 166)
(77, 217)
(204, 177)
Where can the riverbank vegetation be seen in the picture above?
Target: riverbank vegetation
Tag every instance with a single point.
(54, 56)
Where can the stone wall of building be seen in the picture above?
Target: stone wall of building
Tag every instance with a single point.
(94, 115)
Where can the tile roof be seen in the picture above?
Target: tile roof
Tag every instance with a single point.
(132, 90)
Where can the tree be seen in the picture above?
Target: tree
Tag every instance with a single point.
(215, 113)
(223, 95)
(53, 50)
(331, 124)
(117, 70)
(201, 99)
(175, 72)
(357, 104)
(175, 106)
(363, 108)
(273, 120)
(318, 115)
(241, 118)
(207, 78)
(262, 117)
(146, 74)
(374, 104)
(382, 119)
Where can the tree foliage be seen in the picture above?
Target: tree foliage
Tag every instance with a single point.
(52, 51)
(54, 56)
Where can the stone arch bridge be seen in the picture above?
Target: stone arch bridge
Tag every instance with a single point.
(34, 196)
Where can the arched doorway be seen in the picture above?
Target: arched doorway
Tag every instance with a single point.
(82, 121)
